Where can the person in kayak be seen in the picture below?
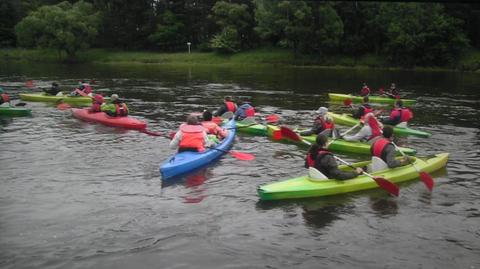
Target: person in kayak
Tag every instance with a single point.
(393, 92)
(371, 128)
(117, 108)
(323, 124)
(399, 114)
(384, 149)
(323, 161)
(97, 103)
(4, 98)
(228, 105)
(83, 89)
(53, 90)
(365, 91)
(363, 109)
(211, 127)
(245, 110)
(190, 137)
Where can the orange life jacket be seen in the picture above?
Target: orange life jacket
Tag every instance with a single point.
(210, 126)
(250, 112)
(373, 123)
(192, 137)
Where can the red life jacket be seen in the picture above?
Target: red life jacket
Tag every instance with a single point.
(311, 162)
(87, 88)
(96, 107)
(325, 125)
(230, 106)
(378, 146)
(5, 97)
(366, 109)
(121, 110)
(210, 126)
(373, 123)
(365, 91)
(405, 114)
(250, 112)
(192, 137)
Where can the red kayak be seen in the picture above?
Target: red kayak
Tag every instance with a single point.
(101, 117)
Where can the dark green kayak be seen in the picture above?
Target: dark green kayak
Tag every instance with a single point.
(14, 111)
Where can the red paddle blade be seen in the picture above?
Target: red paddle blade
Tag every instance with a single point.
(427, 180)
(347, 102)
(63, 106)
(287, 132)
(392, 188)
(272, 118)
(277, 135)
(172, 134)
(217, 120)
(242, 155)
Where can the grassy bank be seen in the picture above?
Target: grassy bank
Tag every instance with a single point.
(259, 57)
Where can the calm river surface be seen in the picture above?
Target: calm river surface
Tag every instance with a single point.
(80, 195)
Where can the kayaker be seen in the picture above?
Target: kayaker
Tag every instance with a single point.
(4, 98)
(365, 91)
(363, 109)
(323, 161)
(384, 149)
(393, 92)
(245, 110)
(84, 87)
(54, 89)
(117, 108)
(191, 136)
(322, 124)
(211, 127)
(399, 114)
(97, 103)
(228, 105)
(371, 128)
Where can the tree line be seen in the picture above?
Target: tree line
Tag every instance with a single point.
(404, 33)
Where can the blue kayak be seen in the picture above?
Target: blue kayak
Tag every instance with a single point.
(187, 161)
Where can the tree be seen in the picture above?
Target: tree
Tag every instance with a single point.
(170, 32)
(236, 24)
(65, 27)
(329, 29)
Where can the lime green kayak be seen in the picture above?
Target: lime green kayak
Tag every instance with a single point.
(41, 97)
(303, 187)
(337, 97)
(252, 128)
(338, 145)
(347, 120)
(14, 111)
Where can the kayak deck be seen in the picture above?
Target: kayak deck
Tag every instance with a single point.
(347, 120)
(303, 187)
(41, 97)
(103, 118)
(185, 162)
(337, 97)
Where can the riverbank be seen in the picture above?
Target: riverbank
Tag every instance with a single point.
(259, 57)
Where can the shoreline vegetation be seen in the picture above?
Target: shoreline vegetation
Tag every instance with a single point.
(258, 57)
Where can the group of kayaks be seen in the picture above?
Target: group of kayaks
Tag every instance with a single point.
(182, 163)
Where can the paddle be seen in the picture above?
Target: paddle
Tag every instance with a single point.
(383, 183)
(20, 104)
(239, 155)
(272, 118)
(424, 176)
(289, 133)
(347, 102)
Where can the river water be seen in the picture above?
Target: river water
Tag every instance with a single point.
(80, 195)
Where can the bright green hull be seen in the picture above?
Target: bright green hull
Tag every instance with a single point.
(36, 97)
(347, 120)
(14, 111)
(336, 97)
(255, 129)
(303, 187)
(340, 145)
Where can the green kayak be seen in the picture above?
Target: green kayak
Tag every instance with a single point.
(41, 97)
(337, 97)
(303, 187)
(14, 111)
(338, 145)
(347, 120)
(252, 128)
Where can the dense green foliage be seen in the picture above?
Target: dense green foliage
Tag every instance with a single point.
(64, 27)
(404, 34)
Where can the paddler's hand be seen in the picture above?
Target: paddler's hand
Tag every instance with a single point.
(359, 171)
